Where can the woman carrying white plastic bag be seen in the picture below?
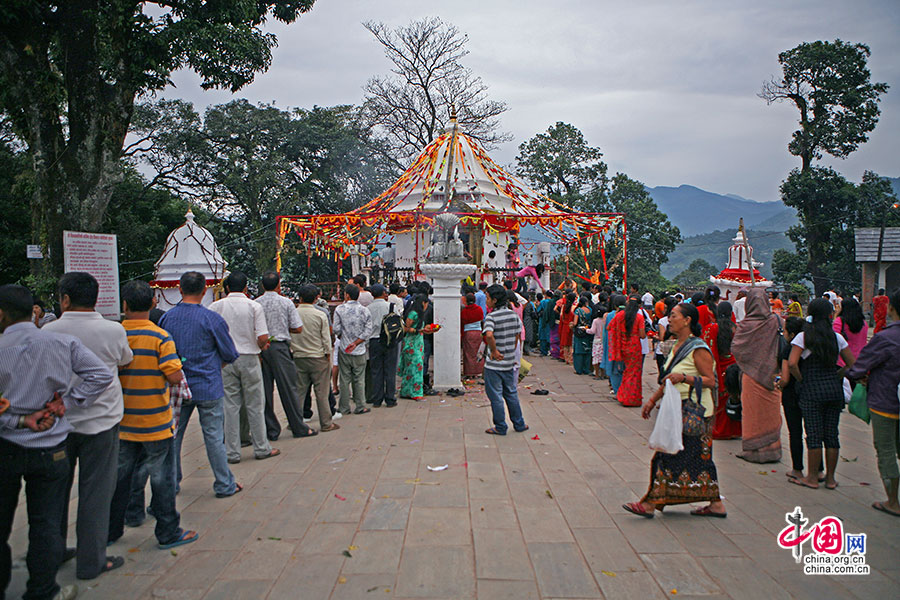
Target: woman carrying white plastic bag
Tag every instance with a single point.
(666, 435)
(690, 474)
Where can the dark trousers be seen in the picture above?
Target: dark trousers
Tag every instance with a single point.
(794, 417)
(97, 457)
(278, 369)
(46, 472)
(135, 513)
(660, 362)
(307, 402)
(428, 344)
(159, 458)
(582, 363)
(383, 365)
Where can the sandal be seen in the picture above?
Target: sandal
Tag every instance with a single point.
(832, 487)
(310, 432)
(636, 508)
(112, 563)
(707, 512)
(186, 537)
(526, 428)
(802, 483)
(493, 431)
(237, 489)
(880, 506)
(540, 393)
(362, 410)
(272, 452)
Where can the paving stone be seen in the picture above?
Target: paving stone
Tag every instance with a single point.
(238, 590)
(544, 524)
(260, 559)
(438, 527)
(606, 549)
(436, 572)
(374, 552)
(740, 578)
(501, 554)
(306, 577)
(493, 514)
(366, 586)
(496, 589)
(679, 572)
(195, 572)
(561, 572)
(386, 513)
(648, 536)
(619, 585)
(326, 538)
(701, 537)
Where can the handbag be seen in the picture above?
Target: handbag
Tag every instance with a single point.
(858, 405)
(693, 414)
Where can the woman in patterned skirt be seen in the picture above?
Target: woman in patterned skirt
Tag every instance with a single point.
(412, 351)
(690, 475)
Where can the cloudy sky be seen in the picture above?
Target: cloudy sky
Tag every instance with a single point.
(666, 89)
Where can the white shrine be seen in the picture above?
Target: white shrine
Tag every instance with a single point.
(188, 248)
(736, 274)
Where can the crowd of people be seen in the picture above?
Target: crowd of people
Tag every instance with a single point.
(114, 400)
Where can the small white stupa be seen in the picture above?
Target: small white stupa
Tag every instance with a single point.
(736, 274)
(188, 248)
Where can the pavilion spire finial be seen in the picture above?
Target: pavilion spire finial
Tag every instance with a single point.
(453, 112)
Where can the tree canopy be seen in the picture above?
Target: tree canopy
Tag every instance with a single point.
(696, 275)
(830, 84)
(412, 105)
(70, 73)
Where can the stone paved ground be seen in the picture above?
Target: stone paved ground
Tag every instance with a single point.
(512, 517)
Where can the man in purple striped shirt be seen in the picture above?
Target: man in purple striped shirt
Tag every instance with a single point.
(36, 368)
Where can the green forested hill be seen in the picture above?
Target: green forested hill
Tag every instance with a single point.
(713, 247)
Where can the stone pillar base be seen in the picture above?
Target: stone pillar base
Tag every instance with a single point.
(446, 280)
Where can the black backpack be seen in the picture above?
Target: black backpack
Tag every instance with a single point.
(391, 328)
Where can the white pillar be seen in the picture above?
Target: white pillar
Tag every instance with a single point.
(882, 275)
(354, 261)
(445, 279)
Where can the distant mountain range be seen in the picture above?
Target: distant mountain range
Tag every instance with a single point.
(695, 211)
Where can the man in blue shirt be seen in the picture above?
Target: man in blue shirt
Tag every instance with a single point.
(544, 311)
(204, 345)
(36, 368)
(481, 297)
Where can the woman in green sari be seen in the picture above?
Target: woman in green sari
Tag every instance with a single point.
(583, 341)
(412, 351)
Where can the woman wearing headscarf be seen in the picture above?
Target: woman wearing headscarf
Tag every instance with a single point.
(689, 475)
(756, 345)
(626, 330)
(718, 336)
(471, 317)
(813, 362)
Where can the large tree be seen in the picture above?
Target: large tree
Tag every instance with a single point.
(412, 105)
(70, 72)
(830, 84)
(248, 164)
(561, 164)
(696, 275)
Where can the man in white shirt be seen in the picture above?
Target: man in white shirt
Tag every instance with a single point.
(353, 326)
(647, 301)
(94, 443)
(396, 297)
(738, 307)
(243, 378)
(277, 365)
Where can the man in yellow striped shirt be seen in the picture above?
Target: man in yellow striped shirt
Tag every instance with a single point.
(147, 432)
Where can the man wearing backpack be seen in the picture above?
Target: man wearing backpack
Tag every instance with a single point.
(383, 348)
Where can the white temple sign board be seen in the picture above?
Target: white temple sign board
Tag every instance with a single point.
(97, 254)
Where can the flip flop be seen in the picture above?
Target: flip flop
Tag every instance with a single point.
(800, 482)
(493, 431)
(540, 393)
(237, 489)
(186, 537)
(832, 487)
(706, 512)
(526, 428)
(362, 410)
(881, 507)
(636, 508)
(310, 432)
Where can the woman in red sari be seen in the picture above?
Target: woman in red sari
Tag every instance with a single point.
(625, 332)
(566, 319)
(717, 336)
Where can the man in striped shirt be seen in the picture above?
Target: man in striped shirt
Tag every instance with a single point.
(502, 327)
(147, 433)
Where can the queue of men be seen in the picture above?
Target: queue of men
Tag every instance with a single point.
(114, 401)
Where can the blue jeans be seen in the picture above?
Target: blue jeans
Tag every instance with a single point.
(212, 423)
(500, 386)
(159, 459)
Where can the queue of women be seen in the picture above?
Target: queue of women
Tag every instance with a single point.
(745, 373)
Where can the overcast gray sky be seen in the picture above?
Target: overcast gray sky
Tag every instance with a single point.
(667, 89)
